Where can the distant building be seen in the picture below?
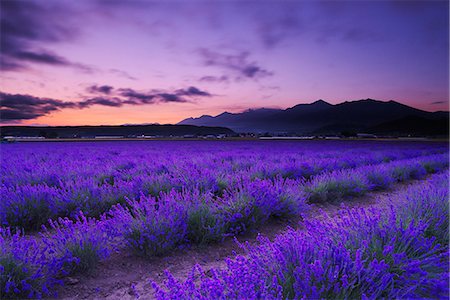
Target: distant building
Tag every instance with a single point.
(8, 138)
(366, 136)
(286, 138)
(413, 138)
(23, 138)
(109, 136)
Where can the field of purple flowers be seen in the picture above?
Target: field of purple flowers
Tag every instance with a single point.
(399, 252)
(67, 206)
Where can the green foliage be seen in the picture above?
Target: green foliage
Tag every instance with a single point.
(106, 179)
(14, 278)
(431, 206)
(205, 225)
(222, 185)
(155, 188)
(334, 190)
(242, 214)
(403, 173)
(434, 166)
(86, 258)
(379, 181)
(29, 213)
(148, 243)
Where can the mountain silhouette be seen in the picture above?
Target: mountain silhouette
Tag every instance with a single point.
(367, 115)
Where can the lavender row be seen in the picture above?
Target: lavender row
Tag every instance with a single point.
(44, 164)
(339, 184)
(150, 226)
(42, 183)
(30, 267)
(378, 253)
(153, 227)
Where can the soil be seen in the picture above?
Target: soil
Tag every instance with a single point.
(127, 276)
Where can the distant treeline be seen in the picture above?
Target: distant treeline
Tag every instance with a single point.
(122, 130)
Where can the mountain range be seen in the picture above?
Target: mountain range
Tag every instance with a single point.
(320, 117)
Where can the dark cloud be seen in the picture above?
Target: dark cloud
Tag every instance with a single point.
(16, 115)
(181, 94)
(168, 97)
(113, 102)
(24, 22)
(137, 97)
(438, 102)
(43, 57)
(239, 64)
(253, 71)
(18, 101)
(102, 89)
(25, 27)
(134, 97)
(16, 107)
(192, 91)
(25, 107)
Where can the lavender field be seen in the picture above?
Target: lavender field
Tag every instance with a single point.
(66, 208)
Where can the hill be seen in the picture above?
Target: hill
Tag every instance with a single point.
(367, 115)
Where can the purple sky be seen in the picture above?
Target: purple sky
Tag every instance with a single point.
(115, 62)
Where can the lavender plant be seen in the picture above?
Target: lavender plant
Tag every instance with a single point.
(23, 267)
(157, 201)
(255, 202)
(371, 254)
(429, 204)
(77, 246)
(38, 184)
(336, 186)
(341, 184)
(28, 206)
(205, 224)
(153, 227)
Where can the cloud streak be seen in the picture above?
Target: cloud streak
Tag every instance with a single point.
(122, 74)
(112, 102)
(137, 97)
(25, 27)
(283, 23)
(274, 26)
(26, 107)
(438, 102)
(192, 91)
(102, 89)
(210, 78)
(238, 64)
(17, 107)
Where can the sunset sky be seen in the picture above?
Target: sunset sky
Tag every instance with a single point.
(132, 62)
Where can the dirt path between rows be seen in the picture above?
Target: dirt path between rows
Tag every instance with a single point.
(126, 276)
